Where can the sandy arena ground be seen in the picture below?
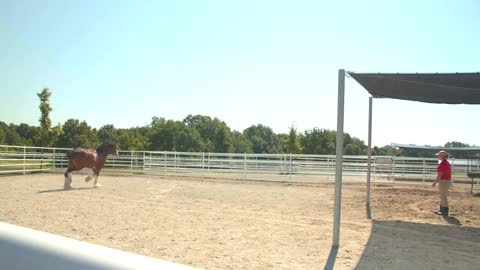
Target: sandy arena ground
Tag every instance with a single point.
(251, 225)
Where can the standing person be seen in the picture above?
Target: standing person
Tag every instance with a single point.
(444, 180)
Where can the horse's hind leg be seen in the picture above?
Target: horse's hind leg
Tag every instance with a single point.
(90, 177)
(68, 179)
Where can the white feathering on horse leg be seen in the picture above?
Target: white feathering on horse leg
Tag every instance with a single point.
(95, 183)
(68, 181)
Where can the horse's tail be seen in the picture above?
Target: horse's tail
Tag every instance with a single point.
(69, 153)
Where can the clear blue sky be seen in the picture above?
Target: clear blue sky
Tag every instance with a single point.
(246, 62)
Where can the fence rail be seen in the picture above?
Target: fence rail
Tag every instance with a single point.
(24, 249)
(26, 159)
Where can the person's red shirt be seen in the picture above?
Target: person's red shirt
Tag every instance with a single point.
(446, 170)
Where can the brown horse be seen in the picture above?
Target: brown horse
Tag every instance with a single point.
(80, 158)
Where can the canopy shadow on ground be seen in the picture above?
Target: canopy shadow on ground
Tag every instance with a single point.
(407, 245)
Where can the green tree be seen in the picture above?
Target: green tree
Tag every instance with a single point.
(354, 146)
(292, 143)
(318, 141)
(45, 136)
(107, 133)
(11, 135)
(6, 135)
(263, 139)
(456, 144)
(29, 134)
(157, 122)
(56, 132)
(3, 137)
(154, 134)
(216, 135)
(131, 139)
(77, 134)
(240, 143)
(175, 136)
(187, 139)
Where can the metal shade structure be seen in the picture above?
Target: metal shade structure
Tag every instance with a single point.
(447, 88)
(437, 148)
(440, 88)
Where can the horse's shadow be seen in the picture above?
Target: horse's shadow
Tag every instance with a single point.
(62, 189)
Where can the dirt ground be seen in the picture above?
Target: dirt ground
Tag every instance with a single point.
(227, 224)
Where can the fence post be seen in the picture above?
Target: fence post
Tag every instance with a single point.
(423, 171)
(53, 161)
(24, 159)
(453, 168)
(393, 170)
(175, 162)
(244, 166)
(165, 165)
(290, 166)
(41, 158)
(203, 165)
(131, 162)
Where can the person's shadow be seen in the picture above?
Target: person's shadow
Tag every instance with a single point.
(452, 220)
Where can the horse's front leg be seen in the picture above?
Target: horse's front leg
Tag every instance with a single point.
(96, 172)
(68, 179)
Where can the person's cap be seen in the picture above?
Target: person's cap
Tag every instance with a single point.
(442, 152)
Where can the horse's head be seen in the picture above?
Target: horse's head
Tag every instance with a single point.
(114, 149)
(108, 148)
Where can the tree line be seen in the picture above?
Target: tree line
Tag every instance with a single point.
(195, 133)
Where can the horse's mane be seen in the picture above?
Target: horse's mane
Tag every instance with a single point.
(74, 151)
(103, 147)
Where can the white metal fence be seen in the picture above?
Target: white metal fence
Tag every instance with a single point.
(25, 249)
(287, 167)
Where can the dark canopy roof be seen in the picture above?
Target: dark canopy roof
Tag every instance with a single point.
(472, 152)
(449, 88)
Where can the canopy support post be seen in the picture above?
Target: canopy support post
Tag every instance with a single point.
(369, 167)
(339, 158)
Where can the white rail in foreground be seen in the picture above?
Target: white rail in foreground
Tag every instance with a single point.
(27, 249)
